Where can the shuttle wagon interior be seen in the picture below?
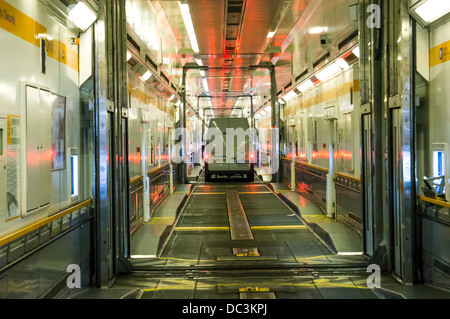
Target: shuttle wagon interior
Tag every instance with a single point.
(105, 161)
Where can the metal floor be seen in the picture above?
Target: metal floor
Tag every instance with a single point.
(201, 237)
(284, 260)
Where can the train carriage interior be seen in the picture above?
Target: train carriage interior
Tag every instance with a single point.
(224, 149)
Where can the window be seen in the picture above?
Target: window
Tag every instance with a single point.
(438, 163)
(74, 176)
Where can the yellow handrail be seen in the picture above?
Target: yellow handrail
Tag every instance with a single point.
(135, 179)
(348, 176)
(435, 201)
(157, 168)
(314, 166)
(11, 237)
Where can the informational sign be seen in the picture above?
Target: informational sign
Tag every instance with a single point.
(13, 166)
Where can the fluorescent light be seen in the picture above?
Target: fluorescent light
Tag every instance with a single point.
(342, 63)
(82, 16)
(305, 86)
(432, 10)
(289, 96)
(267, 109)
(317, 30)
(199, 62)
(281, 101)
(328, 72)
(172, 97)
(271, 34)
(142, 256)
(189, 26)
(205, 85)
(178, 103)
(356, 51)
(147, 75)
(128, 55)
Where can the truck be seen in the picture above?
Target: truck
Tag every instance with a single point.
(216, 163)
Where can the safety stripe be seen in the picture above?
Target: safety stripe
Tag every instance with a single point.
(436, 57)
(314, 283)
(326, 96)
(24, 27)
(280, 227)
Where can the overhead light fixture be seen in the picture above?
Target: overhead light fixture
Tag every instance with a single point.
(199, 62)
(289, 96)
(205, 85)
(172, 97)
(305, 86)
(431, 10)
(328, 72)
(267, 109)
(271, 34)
(147, 75)
(281, 101)
(129, 55)
(178, 103)
(356, 51)
(342, 63)
(82, 16)
(189, 26)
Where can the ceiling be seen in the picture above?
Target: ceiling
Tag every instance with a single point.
(232, 35)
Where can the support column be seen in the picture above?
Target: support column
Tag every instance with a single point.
(182, 126)
(275, 123)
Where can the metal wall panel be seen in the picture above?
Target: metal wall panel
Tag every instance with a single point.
(33, 149)
(3, 166)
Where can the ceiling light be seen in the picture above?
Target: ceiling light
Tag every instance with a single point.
(82, 16)
(305, 86)
(281, 101)
(356, 51)
(147, 75)
(205, 85)
(271, 34)
(289, 96)
(128, 55)
(267, 109)
(178, 103)
(328, 72)
(189, 26)
(432, 10)
(342, 63)
(172, 97)
(199, 62)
